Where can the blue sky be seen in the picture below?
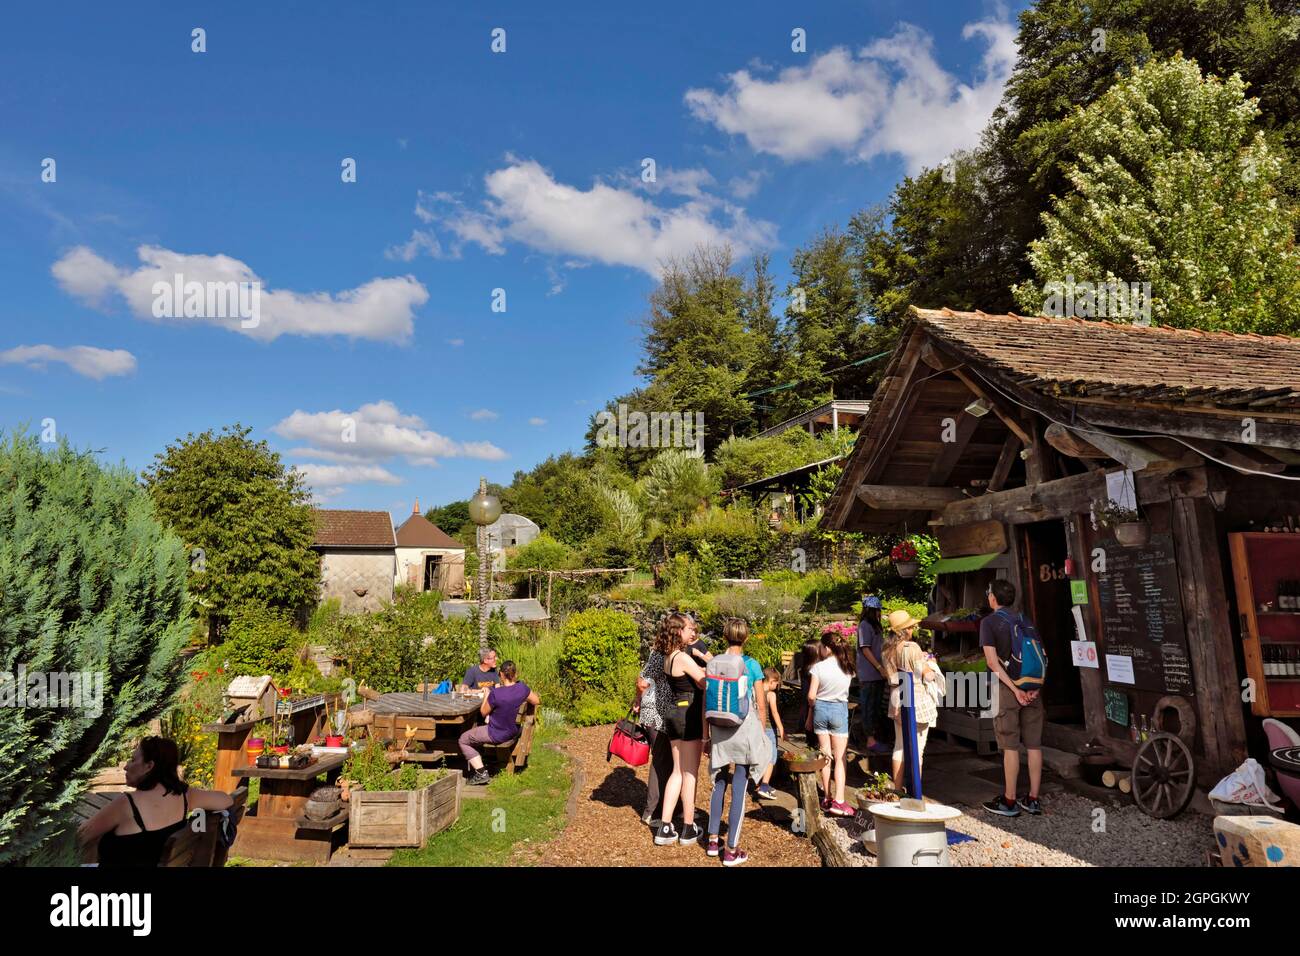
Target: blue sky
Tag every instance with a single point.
(475, 170)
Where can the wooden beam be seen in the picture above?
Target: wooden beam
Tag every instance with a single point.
(1278, 430)
(906, 497)
(1068, 443)
(999, 407)
(1007, 458)
(963, 428)
(1242, 456)
(1067, 496)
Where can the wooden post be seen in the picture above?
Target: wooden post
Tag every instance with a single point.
(549, 576)
(809, 803)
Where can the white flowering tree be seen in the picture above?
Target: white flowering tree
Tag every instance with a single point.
(1173, 184)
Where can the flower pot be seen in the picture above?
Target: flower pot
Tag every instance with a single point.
(281, 750)
(907, 569)
(255, 747)
(1133, 534)
(333, 740)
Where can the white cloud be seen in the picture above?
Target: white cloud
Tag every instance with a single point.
(380, 309)
(538, 422)
(377, 431)
(334, 476)
(743, 187)
(484, 415)
(83, 359)
(455, 343)
(892, 97)
(605, 223)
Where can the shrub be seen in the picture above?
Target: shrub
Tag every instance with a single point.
(736, 540)
(201, 702)
(543, 552)
(259, 640)
(538, 662)
(599, 651)
(405, 643)
(593, 711)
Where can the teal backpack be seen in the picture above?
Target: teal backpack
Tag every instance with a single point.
(1027, 667)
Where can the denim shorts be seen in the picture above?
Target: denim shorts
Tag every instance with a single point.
(831, 717)
(771, 738)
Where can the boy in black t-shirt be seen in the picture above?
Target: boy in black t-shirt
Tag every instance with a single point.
(1020, 714)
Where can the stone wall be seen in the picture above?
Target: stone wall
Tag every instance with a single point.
(345, 572)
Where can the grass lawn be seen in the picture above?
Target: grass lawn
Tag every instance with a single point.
(527, 806)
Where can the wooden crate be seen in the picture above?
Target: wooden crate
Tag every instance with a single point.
(403, 817)
(969, 726)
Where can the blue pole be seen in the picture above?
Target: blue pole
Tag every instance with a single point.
(908, 709)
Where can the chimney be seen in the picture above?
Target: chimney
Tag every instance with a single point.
(415, 509)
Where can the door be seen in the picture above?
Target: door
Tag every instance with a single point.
(1047, 603)
(432, 572)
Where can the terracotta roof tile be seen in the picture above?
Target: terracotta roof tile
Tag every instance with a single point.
(341, 528)
(1077, 357)
(417, 531)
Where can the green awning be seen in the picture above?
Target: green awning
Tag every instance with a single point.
(972, 563)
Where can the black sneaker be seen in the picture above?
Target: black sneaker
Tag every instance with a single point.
(1001, 807)
(480, 778)
(1030, 805)
(666, 836)
(690, 835)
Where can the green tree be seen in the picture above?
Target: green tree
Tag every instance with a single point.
(676, 486)
(244, 517)
(1172, 184)
(91, 582)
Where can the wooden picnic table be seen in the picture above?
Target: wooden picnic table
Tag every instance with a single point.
(273, 833)
(437, 720)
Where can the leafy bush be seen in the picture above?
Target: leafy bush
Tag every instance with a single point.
(259, 640)
(766, 645)
(736, 540)
(543, 552)
(538, 662)
(599, 652)
(407, 642)
(595, 711)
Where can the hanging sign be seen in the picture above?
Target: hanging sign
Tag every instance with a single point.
(1084, 653)
(1079, 592)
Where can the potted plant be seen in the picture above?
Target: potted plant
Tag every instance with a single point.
(1131, 529)
(904, 557)
(878, 788)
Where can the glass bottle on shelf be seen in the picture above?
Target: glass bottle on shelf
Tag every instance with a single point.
(1133, 733)
(1144, 731)
(1266, 659)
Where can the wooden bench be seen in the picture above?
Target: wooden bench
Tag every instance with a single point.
(514, 753)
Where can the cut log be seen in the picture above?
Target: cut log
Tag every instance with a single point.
(1110, 778)
(1125, 784)
(907, 497)
(832, 853)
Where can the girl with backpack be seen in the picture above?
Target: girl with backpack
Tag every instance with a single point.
(828, 716)
(904, 654)
(735, 709)
(683, 718)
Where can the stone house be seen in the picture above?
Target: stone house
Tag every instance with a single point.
(358, 557)
(429, 559)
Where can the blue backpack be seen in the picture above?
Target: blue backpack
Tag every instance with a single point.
(1027, 667)
(726, 691)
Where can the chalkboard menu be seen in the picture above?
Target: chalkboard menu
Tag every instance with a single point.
(1141, 608)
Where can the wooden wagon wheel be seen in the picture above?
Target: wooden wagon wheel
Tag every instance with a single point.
(1164, 774)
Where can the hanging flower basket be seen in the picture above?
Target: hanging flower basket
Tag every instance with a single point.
(904, 558)
(1133, 534)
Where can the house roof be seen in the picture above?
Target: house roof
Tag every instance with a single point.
(1084, 357)
(417, 531)
(342, 528)
(786, 475)
(849, 412)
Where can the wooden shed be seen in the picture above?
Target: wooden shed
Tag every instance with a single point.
(1004, 435)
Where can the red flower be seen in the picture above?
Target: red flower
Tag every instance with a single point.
(198, 675)
(903, 551)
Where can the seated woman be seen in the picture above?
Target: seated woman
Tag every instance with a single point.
(501, 707)
(133, 828)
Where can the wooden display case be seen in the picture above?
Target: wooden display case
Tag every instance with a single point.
(1259, 562)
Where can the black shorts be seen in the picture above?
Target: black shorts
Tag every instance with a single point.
(685, 719)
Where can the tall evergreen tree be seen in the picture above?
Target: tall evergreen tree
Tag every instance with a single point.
(90, 582)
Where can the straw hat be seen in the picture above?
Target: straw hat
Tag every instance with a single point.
(901, 620)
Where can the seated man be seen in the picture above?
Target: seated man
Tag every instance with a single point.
(484, 672)
(501, 707)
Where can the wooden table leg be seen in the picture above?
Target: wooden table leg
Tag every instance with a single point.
(809, 803)
(230, 754)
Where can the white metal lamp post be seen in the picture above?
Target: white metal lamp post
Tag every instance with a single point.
(483, 510)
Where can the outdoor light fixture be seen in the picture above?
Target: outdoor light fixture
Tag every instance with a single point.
(979, 408)
(483, 510)
(1025, 453)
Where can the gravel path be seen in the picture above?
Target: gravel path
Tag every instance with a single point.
(606, 829)
(1063, 836)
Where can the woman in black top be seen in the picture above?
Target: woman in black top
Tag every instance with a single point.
(133, 828)
(683, 718)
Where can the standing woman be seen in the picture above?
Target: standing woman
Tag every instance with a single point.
(653, 693)
(809, 655)
(871, 677)
(684, 726)
(828, 699)
(904, 654)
